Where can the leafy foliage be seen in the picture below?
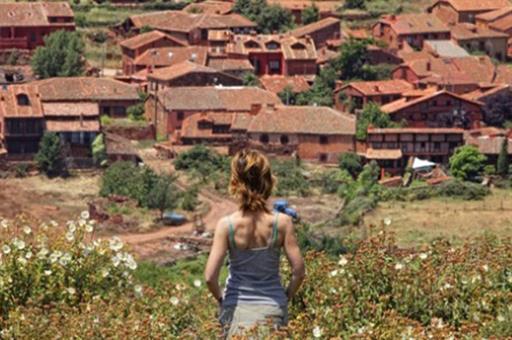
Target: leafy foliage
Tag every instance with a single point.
(371, 115)
(51, 158)
(351, 162)
(202, 161)
(503, 163)
(99, 151)
(321, 92)
(355, 4)
(453, 189)
(287, 96)
(163, 194)
(467, 163)
(498, 110)
(291, 179)
(269, 18)
(250, 79)
(310, 14)
(61, 56)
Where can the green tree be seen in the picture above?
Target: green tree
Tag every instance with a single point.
(62, 56)
(163, 195)
(467, 163)
(287, 95)
(355, 4)
(250, 79)
(352, 61)
(269, 19)
(351, 162)
(189, 200)
(371, 115)
(321, 92)
(51, 157)
(502, 166)
(99, 151)
(136, 112)
(310, 14)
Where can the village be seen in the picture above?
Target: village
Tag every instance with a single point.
(402, 91)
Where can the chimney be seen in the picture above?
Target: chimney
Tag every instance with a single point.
(255, 108)
(376, 88)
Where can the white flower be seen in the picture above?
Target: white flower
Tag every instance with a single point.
(501, 318)
(6, 249)
(70, 236)
(27, 230)
(4, 224)
(115, 244)
(317, 332)
(53, 223)
(47, 272)
(28, 255)
(423, 256)
(20, 244)
(174, 301)
(84, 215)
(89, 228)
(65, 259)
(387, 221)
(42, 253)
(116, 261)
(509, 279)
(343, 261)
(72, 227)
(476, 278)
(131, 264)
(138, 290)
(22, 261)
(55, 256)
(399, 266)
(105, 273)
(71, 290)
(197, 283)
(447, 286)
(334, 273)
(332, 290)
(485, 268)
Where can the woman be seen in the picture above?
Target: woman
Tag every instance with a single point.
(253, 236)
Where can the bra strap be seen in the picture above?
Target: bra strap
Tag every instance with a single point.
(231, 234)
(275, 230)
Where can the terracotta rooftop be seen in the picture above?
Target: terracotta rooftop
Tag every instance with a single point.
(210, 7)
(85, 88)
(503, 24)
(241, 121)
(476, 5)
(380, 131)
(382, 154)
(415, 23)
(325, 55)
(306, 120)
(315, 26)
(216, 98)
(292, 48)
(119, 145)
(167, 56)
(466, 31)
(378, 88)
(495, 15)
(230, 64)
(147, 38)
(182, 69)
(356, 33)
(33, 13)
(10, 100)
(323, 5)
(190, 128)
(445, 48)
(66, 109)
(403, 103)
(75, 126)
(277, 83)
(181, 21)
(489, 145)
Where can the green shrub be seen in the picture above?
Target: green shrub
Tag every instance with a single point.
(21, 170)
(99, 151)
(351, 162)
(51, 158)
(202, 161)
(189, 200)
(291, 179)
(467, 163)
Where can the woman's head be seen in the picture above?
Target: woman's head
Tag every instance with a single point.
(251, 180)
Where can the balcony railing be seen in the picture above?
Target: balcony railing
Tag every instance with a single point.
(21, 43)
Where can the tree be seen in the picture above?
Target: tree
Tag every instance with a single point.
(250, 79)
(498, 110)
(51, 158)
(502, 166)
(163, 195)
(321, 92)
(62, 56)
(467, 163)
(269, 19)
(136, 112)
(287, 95)
(351, 162)
(371, 115)
(352, 61)
(355, 4)
(99, 151)
(310, 14)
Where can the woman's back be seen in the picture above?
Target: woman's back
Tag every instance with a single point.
(254, 259)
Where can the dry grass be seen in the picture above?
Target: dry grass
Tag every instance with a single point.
(416, 223)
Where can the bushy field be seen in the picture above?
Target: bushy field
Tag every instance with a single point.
(69, 286)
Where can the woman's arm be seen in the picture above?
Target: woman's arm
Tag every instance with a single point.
(295, 259)
(216, 259)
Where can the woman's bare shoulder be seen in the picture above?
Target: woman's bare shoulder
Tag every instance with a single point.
(284, 221)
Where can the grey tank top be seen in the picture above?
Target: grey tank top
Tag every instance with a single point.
(254, 273)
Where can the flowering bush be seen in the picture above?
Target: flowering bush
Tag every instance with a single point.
(378, 291)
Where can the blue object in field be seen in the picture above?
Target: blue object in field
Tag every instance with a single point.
(280, 205)
(292, 213)
(173, 218)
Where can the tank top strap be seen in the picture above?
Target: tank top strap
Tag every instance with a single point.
(231, 233)
(275, 231)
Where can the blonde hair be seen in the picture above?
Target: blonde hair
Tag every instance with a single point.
(251, 180)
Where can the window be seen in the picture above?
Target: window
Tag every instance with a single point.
(33, 37)
(324, 140)
(437, 146)
(284, 139)
(22, 99)
(264, 138)
(322, 157)
(180, 115)
(204, 125)
(274, 66)
(272, 45)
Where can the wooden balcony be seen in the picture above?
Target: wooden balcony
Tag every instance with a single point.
(19, 43)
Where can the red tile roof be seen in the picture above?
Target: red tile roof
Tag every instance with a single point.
(489, 145)
(466, 31)
(476, 5)
(182, 69)
(147, 38)
(180, 21)
(481, 94)
(381, 154)
(22, 14)
(276, 83)
(85, 88)
(305, 120)
(378, 88)
(380, 131)
(230, 64)
(315, 27)
(324, 6)
(75, 126)
(216, 98)
(495, 15)
(9, 102)
(66, 109)
(190, 128)
(415, 23)
(167, 56)
(503, 25)
(403, 103)
(292, 48)
(325, 55)
(210, 7)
